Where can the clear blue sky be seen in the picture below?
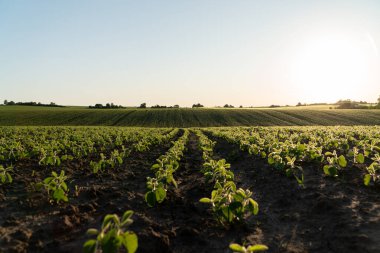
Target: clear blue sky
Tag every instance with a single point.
(81, 52)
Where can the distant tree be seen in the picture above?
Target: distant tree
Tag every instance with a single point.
(197, 105)
(11, 103)
(143, 105)
(5, 102)
(175, 106)
(241, 106)
(51, 104)
(299, 104)
(159, 106)
(98, 106)
(347, 104)
(378, 101)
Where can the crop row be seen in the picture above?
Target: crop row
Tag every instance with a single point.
(229, 203)
(333, 148)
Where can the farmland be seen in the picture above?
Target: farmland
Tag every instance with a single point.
(184, 117)
(293, 189)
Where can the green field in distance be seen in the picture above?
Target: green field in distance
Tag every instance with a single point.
(185, 117)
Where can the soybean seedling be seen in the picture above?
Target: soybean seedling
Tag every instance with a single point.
(55, 187)
(247, 249)
(5, 176)
(230, 204)
(113, 235)
(335, 164)
(373, 171)
(294, 170)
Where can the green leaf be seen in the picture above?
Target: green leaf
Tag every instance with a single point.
(360, 158)
(10, 180)
(89, 246)
(342, 161)
(59, 194)
(367, 179)
(330, 170)
(257, 247)
(48, 180)
(127, 215)
(130, 242)
(253, 206)
(92, 231)
(64, 186)
(205, 200)
(236, 247)
(160, 194)
(174, 182)
(156, 166)
(150, 198)
(109, 218)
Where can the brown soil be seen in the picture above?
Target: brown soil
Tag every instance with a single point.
(329, 215)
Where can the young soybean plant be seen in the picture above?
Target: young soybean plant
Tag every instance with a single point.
(55, 187)
(5, 176)
(294, 170)
(113, 235)
(249, 249)
(335, 164)
(373, 172)
(230, 204)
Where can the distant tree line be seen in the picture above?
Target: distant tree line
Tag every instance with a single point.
(164, 106)
(107, 106)
(52, 104)
(143, 105)
(350, 104)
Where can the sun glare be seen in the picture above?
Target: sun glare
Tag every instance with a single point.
(331, 67)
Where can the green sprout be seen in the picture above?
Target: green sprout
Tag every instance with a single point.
(113, 235)
(237, 248)
(5, 176)
(55, 187)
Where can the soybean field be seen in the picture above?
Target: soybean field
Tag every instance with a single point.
(185, 117)
(228, 189)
